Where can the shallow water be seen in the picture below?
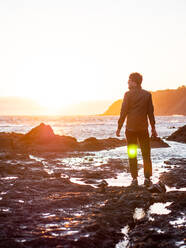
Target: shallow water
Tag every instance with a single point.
(160, 208)
(179, 222)
(125, 242)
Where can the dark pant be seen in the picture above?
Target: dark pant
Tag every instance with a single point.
(144, 142)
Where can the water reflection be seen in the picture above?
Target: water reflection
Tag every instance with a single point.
(5, 210)
(82, 163)
(174, 189)
(79, 181)
(125, 242)
(160, 208)
(4, 192)
(20, 240)
(8, 178)
(58, 229)
(179, 222)
(36, 158)
(180, 244)
(158, 230)
(122, 179)
(48, 215)
(139, 213)
(61, 226)
(157, 208)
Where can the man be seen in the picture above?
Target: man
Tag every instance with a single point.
(137, 106)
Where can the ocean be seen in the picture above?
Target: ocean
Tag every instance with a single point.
(82, 127)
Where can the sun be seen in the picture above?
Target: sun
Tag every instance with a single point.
(51, 104)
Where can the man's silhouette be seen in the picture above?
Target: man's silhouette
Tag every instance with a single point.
(137, 106)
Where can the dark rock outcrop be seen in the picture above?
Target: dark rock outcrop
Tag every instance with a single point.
(101, 144)
(178, 166)
(9, 141)
(179, 135)
(43, 139)
(39, 134)
(157, 143)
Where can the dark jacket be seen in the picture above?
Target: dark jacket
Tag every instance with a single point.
(137, 105)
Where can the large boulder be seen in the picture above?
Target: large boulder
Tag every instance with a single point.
(157, 143)
(42, 138)
(39, 134)
(179, 135)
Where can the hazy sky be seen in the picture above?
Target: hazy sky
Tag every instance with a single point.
(66, 51)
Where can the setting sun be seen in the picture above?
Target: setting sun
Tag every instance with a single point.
(92, 123)
(62, 53)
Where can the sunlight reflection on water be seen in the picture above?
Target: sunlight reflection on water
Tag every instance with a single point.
(160, 208)
(179, 222)
(125, 242)
(139, 213)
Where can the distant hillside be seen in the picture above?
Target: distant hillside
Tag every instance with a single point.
(166, 102)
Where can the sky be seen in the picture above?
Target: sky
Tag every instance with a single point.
(65, 52)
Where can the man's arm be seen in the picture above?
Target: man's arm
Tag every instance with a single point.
(151, 117)
(123, 113)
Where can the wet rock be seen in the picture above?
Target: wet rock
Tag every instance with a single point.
(42, 139)
(7, 155)
(157, 143)
(176, 176)
(172, 127)
(40, 134)
(102, 186)
(93, 144)
(179, 135)
(176, 161)
(90, 174)
(8, 141)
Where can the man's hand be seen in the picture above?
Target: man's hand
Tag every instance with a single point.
(118, 133)
(154, 133)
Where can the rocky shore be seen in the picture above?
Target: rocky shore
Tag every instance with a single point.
(179, 135)
(43, 207)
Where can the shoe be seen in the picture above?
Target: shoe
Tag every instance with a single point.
(134, 182)
(147, 182)
(157, 188)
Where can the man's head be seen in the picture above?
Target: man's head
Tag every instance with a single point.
(135, 80)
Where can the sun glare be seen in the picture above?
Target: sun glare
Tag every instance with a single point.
(52, 104)
(132, 151)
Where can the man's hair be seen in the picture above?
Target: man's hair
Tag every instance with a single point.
(136, 77)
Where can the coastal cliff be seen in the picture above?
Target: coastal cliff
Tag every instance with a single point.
(166, 102)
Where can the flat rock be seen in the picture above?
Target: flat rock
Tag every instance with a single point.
(93, 144)
(179, 135)
(158, 143)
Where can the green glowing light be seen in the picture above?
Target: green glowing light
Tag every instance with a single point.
(132, 151)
